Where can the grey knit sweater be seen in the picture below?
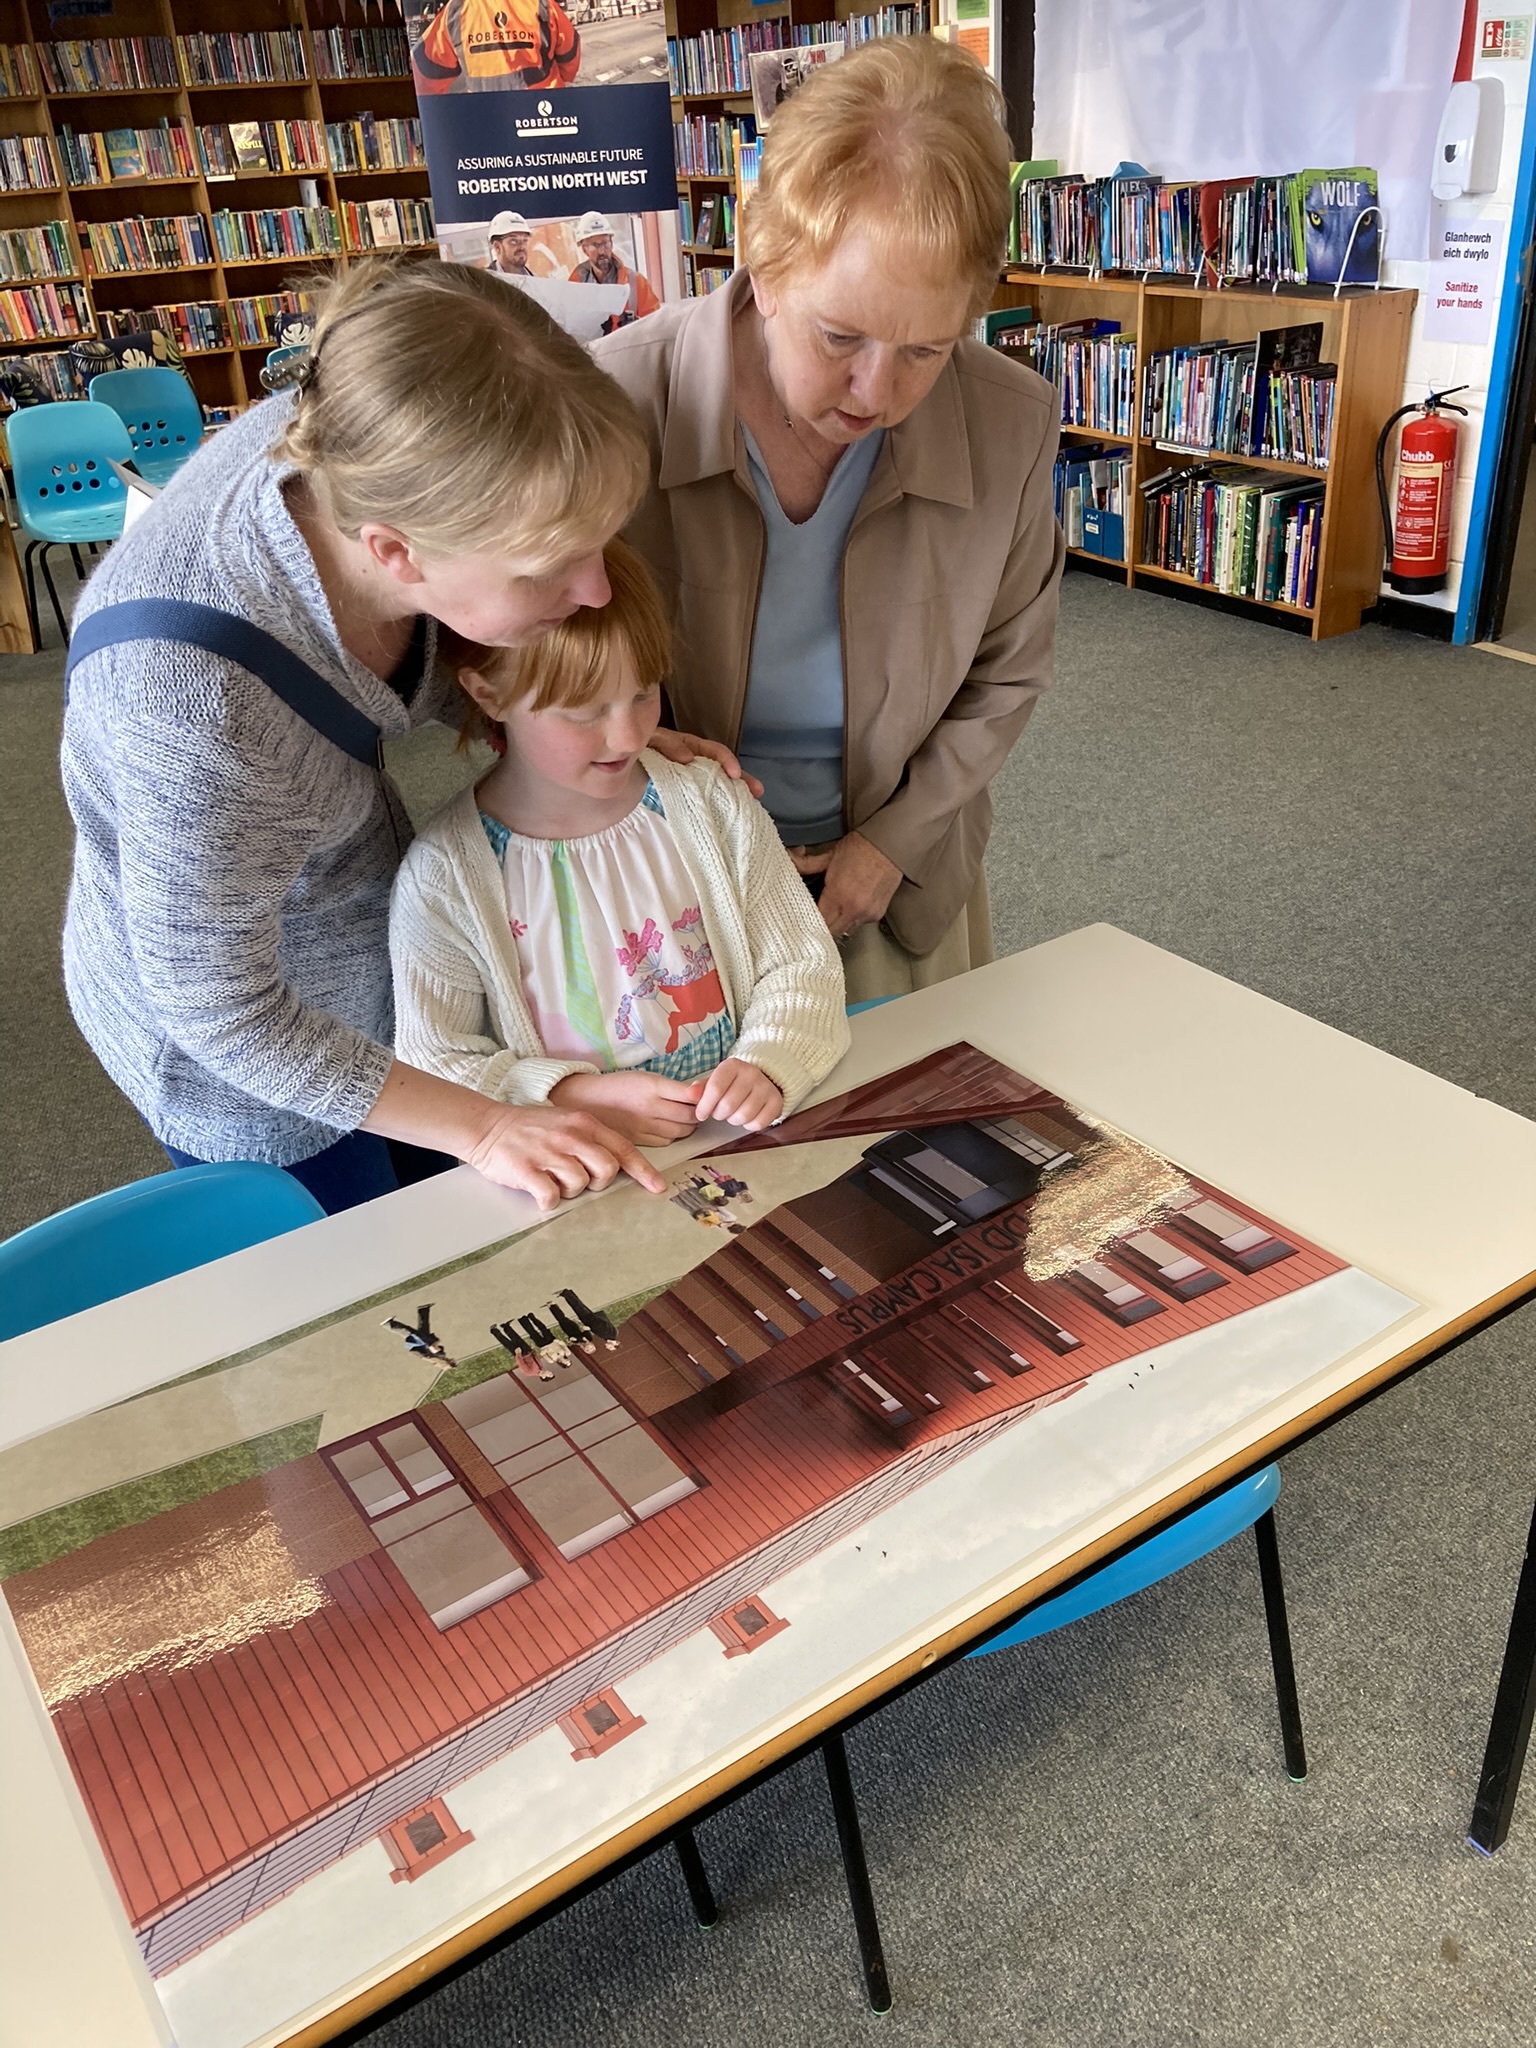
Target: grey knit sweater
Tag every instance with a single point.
(226, 949)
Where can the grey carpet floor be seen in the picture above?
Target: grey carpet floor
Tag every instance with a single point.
(1091, 1843)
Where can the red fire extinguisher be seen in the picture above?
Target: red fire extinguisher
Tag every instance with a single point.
(1419, 538)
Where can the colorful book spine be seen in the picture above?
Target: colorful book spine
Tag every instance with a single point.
(374, 143)
(267, 57)
(18, 72)
(45, 251)
(104, 156)
(45, 312)
(252, 317)
(143, 242)
(273, 232)
(54, 374)
(716, 61)
(705, 147)
(281, 146)
(197, 326)
(361, 53)
(388, 224)
(27, 164)
(114, 64)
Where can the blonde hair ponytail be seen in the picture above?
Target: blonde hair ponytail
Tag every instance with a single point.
(444, 402)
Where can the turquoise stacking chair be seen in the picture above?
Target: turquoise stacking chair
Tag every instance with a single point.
(160, 410)
(132, 1236)
(1248, 1505)
(66, 492)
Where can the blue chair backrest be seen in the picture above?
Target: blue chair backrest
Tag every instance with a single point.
(135, 1235)
(1212, 1524)
(160, 410)
(61, 456)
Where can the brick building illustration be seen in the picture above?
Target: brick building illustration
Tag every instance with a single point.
(453, 1580)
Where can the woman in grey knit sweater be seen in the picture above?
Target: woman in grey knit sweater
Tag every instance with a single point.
(451, 458)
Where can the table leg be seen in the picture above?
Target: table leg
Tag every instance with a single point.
(1510, 1731)
(1273, 1582)
(850, 1840)
(696, 1877)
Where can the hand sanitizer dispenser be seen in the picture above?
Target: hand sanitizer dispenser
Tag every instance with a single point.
(1471, 138)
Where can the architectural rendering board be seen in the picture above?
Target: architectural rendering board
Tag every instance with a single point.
(350, 1639)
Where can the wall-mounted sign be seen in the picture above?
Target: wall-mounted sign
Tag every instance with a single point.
(1466, 262)
(1506, 37)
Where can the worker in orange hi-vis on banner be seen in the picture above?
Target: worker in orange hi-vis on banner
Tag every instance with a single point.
(489, 45)
(600, 264)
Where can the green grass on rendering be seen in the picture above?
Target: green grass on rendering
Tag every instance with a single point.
(58, 1531)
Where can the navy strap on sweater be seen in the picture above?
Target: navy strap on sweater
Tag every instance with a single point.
(303, 689)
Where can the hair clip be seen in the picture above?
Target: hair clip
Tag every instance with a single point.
(296, 375)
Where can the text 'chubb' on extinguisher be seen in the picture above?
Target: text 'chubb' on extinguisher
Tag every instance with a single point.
(1419, 538)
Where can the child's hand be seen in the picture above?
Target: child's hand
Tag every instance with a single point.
(737, 1093)
(648, 1109)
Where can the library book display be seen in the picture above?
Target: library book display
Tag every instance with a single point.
(181, 163)
(1364, 345)
(369, 1592)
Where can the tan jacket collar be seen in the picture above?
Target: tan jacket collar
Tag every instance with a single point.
(927, 456)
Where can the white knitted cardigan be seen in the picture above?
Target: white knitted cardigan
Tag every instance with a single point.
(459, 1005)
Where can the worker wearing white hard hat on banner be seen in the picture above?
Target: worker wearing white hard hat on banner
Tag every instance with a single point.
(509, 236)
(600, 264)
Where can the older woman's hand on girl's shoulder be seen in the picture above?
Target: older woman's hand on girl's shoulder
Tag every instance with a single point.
(682, 747)
(739, 1093)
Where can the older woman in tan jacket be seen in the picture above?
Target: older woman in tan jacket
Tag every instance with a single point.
(850, 507)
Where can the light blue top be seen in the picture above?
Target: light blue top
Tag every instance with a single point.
(792, 724)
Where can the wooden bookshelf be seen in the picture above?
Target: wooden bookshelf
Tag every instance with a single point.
(1364, 332)
(223, 376)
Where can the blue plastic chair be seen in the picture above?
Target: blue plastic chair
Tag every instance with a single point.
(162, 415)
(1248, 1505)
(66, 492)
(132, 1236)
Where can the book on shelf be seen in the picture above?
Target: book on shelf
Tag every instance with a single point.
(18, 72)
(1237, 531)
(1003, 321)
(255, 57)
(704, 230)
(705, 146)
(44, 312)
(1268, 397)
(110, 64)
(1259, 230)
(125, 158)
(1340, 225)
(103, 156)
(254, 316)
(718, 60)
(50, 374)
(388, 223)
(227, 148)
(685, 218)
(44, 251)
(162, 242)
(258, 234)
(361, 53)
(195, 325)
(27, 164)
(374, 143)
(1093, 495)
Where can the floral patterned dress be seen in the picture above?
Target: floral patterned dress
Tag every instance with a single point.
(616, 966)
